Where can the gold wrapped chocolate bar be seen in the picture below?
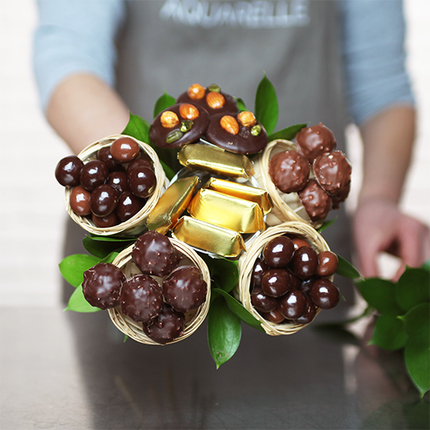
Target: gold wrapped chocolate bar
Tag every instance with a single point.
(232, 231)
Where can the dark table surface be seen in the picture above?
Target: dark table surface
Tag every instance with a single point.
(67, 370)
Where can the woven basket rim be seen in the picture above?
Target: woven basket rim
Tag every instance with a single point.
(133, 329)
(246, 265)
(134, 222)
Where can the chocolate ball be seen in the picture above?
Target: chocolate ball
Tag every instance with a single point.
(257, 272)
(93, 174)
(299, 242)
(262, 302)
(333, 172)
(154, 254)
(128, 206)
(324, 294)
(278, 251)
(166, 326)
(274, 316)
(308, 315)
(315, 200)
(141, 181)
(184, 288)
(295, 281)
(140, 162)
(102, 285)
(306, 285)
(304, 262)
(293, 304)
(141, 298)
(103, 154)
(124, 149)
(314, 141)
(103, 200)
(68, 170)
(275, 282)
(105, 221)
(118, 180)
(327, 264)
(289, 171)
(80, 201)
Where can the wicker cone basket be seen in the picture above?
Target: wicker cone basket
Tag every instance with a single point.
(193, 319)
(247, 261)
(286, 207)
(136, 224)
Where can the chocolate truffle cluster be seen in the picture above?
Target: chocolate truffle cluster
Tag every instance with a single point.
(212, 115)
(320, 174)
(159, 297)
(290, 281)
(113, 187)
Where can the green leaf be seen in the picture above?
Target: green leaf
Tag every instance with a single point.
(163, 102)
(389, 333)
(346, 269)
(240, 310)
(413, 288)
(72, 268)
(224, 273)
(426, 266)
(417, 322)
(138, 128)
(224, 332)
(102, 248)
(288, 133)
(380, 294)
(78, 303)
(240, 104)
(326, 224)
(266, 105)
(109, 258)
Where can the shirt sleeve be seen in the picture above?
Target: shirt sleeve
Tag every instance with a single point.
(373, 38)
(75, 36)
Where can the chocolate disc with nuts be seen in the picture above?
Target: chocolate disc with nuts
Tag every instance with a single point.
(240, 133)
(178, 125)
(211, 99)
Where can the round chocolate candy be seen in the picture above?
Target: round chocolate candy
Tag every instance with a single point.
(314, 141)
(299, 242)
(141, 181)
(315, 200)
(128, 206)
(340, 197)
(140, 162)
(104, 154)
(103, 200)
(324, 294)
(274, 316)
(118, 180)
(293, 304)
(278, 251)
(185, 130)
(93, 174)
(184, 288)
(295, 281)
(333, 172)
(80, 201)
(154, 254)
(289, 171)
(327, 264)
(124, 149)
(308, 315)
(68, 170)
(141, 298)
(105, 221)
(262, 302)
(102, 285)
(304, 262)
(230, 134)
(212, 99)
(306, 285)
(275, 282)
(257, 272)
(166, 326)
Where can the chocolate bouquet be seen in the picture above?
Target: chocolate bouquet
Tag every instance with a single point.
(206, 211)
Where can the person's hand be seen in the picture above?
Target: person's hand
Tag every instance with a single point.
(379, 226)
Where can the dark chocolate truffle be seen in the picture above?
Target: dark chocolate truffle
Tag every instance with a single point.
(103, 154)
(308, 315)
(184, 288)
(262, 302)
(314, 141)
(128, 206)
(324, 294)
(154, 254)
(68, 170)
(274, 316)
(141, 181)
(289, 171)
(118, 180)
(166, 326)
(141, 298)
(304, 262)
(315, 200)
(293, 304)
(93, 174)
(278, 251)
(103, 200)
(275, 282)
(105, 221)
(257, 272)
(102, 285)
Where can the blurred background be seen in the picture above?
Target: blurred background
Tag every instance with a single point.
(32, 208)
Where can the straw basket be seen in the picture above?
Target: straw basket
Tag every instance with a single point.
(247, 261)
(286, 206)
(193, 319)
(136, 224)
